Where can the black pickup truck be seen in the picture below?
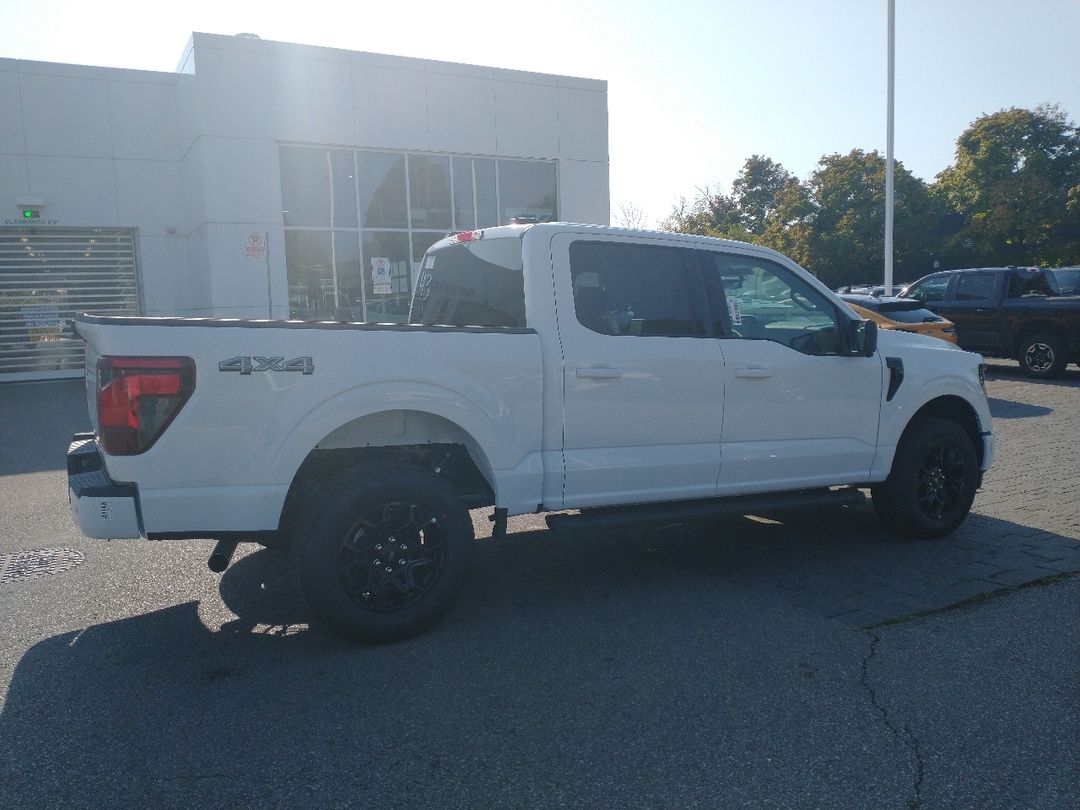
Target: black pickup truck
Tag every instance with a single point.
(1031, 314)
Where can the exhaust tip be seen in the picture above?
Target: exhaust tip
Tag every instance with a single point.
(221, 556)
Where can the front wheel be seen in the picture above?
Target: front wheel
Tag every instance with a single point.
(383, 552)
(932, 484)
(1042, 356)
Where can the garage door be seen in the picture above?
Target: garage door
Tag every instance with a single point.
(49, 275)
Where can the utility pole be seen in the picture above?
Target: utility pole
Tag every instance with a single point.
(889, 151)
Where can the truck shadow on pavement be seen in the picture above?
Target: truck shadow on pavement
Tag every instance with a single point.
(836, 564)
(561, 650)
(997, 369)
(1009, 409)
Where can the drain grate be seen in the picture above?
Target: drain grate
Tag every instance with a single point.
(38, 563)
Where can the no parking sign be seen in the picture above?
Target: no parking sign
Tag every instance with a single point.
(255, 245)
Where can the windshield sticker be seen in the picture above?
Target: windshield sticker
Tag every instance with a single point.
(734, 311)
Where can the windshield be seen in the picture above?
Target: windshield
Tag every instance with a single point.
(1065, 280)
(471, 284)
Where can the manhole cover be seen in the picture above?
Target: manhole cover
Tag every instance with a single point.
(38, 563)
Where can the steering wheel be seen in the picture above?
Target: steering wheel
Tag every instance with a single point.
(802, 301)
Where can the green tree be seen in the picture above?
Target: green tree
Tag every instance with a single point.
(757, 192)
(789, 225)
(767, 205)
(708, 215)
(1016, 184)
(848, 235)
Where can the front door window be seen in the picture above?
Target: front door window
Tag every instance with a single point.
(929, 290)
(764, 301)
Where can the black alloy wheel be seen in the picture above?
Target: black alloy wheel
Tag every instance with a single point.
(933, 479)
(383, 551)
(392, 557)
(941, 480)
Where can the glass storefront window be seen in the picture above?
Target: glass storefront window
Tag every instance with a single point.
(429, 191)
(342, 208)
(487, 209)
(464, 209)
(343, 182)
(474, 194)
(527, 189)
(347, 275)
(324, 275)
(305, 187)
(310, 274)
(382, 190)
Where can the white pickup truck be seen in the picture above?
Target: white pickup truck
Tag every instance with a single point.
(633, 376)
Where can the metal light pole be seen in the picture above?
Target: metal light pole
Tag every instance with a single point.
(889, 153)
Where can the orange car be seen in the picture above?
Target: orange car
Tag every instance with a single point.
(903, 314)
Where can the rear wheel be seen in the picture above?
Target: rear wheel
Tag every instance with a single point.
(932, 484)
(1042, 356)
(383, 552)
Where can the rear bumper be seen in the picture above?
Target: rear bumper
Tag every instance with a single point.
(102, 508)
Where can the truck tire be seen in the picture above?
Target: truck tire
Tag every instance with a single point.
(1042, 356)
(932, 483)
(383, 552)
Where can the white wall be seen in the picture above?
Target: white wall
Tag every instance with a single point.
(190, 159)
(99, 147)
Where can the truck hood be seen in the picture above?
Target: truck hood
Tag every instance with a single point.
(894, 342)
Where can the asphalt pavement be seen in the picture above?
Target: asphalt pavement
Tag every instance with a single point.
(772, 661)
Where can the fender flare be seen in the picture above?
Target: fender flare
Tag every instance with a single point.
(471, 418)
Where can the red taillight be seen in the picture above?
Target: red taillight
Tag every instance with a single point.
(138, 397)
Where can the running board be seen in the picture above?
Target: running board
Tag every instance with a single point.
(607, 517)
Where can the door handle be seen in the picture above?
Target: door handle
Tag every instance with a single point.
(756, 373)
(599, 373)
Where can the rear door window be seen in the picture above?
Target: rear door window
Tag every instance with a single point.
(1024, 285)
(471, 284)
(630, 289)
(976, 286)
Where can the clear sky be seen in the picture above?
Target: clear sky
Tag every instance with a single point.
(694, 87)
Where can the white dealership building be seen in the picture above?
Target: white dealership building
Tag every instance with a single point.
(264, 179)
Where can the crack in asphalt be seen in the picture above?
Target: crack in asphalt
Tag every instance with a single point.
(903, 733)
(989, 596)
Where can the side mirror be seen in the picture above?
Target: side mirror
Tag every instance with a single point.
(863, 338)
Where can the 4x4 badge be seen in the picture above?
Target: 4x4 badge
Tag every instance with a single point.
(246, 365)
